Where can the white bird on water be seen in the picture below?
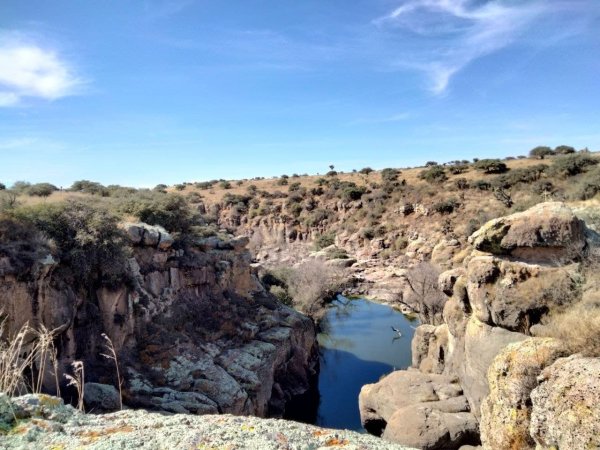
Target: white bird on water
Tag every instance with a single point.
(397, 331)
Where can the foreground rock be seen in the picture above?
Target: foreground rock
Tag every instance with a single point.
(44, 422)
(426, 411)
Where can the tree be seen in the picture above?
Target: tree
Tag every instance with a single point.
(366, 170)
(389, 175)
(435, 174)
(540, 152)
(424, 296)
(2, 186)
(331, 167)
(41, 189)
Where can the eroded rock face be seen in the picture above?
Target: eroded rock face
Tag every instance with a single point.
(546, 232)
(506, 411)
(194, 329)
(565, 411)
(514, 294)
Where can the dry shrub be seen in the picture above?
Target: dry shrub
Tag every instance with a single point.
(578, 325)
(424, 296)
(311, 285)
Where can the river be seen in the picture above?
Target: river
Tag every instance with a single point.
(358, 346)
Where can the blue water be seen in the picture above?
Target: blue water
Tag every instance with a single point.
(358, 346)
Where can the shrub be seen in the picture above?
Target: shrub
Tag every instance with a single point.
(352, 192)
(294, 186)
(461, 183)
(89, 187)
(282, 182)
(458, 169)
(367, 233)
(232, 199)
(88, 239)
(41, 189)
(564, 150)
(388, 175)
(540, 152)
(167, 210)
(491, 166)
(317, 217)
(431, 163)
(446, 206)
(482, 185)
(225, 185)
(204, 185)
(331, 173)
(435, 174)
(366, 170)
(161, 188)
(324, 240)
(2, 186)
(20, 186)
(570, 165)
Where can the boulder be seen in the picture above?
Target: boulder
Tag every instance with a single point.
(506, 411)
(429, 348)
(379, 401)
(448, 279)
(565, 412)
(101, 397)
(148, 235)
(482, 343)
(444, 252)
(546, 232)
(425, 427)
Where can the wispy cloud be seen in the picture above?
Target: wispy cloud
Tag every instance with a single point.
(31, 70)
(453, 33)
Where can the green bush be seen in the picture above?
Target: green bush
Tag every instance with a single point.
(87, 238)
(458, 169)
(540, 152)
(167, 210)
(41, 189)
(89, 187)
(461, 183)
(389, 175)
(490, 166)
(324, 240)
(225, 185)
(366, 170)
(317, 217)
(446, 206)
(564, 150)
(570, 165)
(435, 174)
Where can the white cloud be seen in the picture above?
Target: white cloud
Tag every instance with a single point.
(28, 70)
(453, 33)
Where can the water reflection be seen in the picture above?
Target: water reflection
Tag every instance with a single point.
(358, 346)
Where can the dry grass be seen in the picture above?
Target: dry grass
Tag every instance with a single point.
(24, 358)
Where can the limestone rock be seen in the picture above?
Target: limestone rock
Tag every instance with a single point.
(565, 411)
(448, 279)
(429, 348)
(506, 411)
(546, 232)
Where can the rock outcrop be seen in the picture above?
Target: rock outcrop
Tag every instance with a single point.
(564, 411)
(194, 329)
(521, 267)
(45, 422)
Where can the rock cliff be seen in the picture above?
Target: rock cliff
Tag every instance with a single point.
(194, 330)
(520, 267)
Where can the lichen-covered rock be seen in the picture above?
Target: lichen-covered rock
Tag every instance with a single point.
(515, 295)
(506, 411)
(565, 412)
(546, 232)
(56, 426)
(101, 397)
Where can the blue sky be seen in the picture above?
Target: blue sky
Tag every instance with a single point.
(164, 91)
